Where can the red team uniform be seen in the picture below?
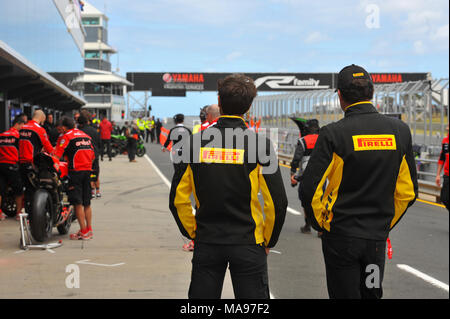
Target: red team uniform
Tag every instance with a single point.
(76, 148)
(9, 159)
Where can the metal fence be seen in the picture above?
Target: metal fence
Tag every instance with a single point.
(423, 105)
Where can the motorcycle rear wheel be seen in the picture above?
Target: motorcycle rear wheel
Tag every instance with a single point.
(41, 221)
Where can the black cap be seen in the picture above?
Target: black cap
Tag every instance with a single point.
(178, 118)
(312, 123)
(203, 113)
(350, 73)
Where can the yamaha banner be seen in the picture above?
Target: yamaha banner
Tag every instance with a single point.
(158, 83)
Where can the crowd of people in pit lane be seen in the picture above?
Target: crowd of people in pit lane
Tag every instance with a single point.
(27, 137)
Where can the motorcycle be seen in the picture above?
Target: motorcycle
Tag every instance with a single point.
(49, 206)
(140, 148)
(119, 145)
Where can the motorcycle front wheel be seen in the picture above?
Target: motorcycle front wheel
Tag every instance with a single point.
(140, 151)
(41, 221)
(114, 151)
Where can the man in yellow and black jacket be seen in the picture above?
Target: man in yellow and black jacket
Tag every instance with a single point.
(368, 162)
(225, 167)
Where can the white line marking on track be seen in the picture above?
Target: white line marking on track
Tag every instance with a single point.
(165, 180)
(86, 262)
(275, 251)
(293, 211)
(423, 276)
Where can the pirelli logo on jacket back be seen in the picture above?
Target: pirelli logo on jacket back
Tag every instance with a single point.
(221, 155)
(374, 142)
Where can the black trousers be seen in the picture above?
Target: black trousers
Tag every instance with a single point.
(25, 169)
(354, 267)
(307, 223)
(106, 143)
(131, 148)
(158, 133)
(248, 269)
(10, 175)
(444, 192)
(152, 134)
(79, 192)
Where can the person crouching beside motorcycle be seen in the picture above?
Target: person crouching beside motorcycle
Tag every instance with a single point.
(9, 164)
(77, 149)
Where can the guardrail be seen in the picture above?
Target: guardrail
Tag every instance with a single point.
(428, 187)
(423, 105)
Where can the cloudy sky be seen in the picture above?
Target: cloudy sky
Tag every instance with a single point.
(275, 36)
(270, 36)
(279, 35)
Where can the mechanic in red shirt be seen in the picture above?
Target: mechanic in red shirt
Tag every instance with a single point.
(443, 163)
(9, 164)
(105, 135)
(76, 148)
(33, 139)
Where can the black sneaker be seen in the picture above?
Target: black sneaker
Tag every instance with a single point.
(305, 229)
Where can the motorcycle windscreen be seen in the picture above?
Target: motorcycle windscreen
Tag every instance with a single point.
(301, 123)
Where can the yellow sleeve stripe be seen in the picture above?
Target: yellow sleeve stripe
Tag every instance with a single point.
(255, 205)
(404, 191)
(193, 188)
(323, 212)
(182, 202)
(269, 210)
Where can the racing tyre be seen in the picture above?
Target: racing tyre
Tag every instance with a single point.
(41, 223)
(65, 227)
(114, 152)
(140, 151)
